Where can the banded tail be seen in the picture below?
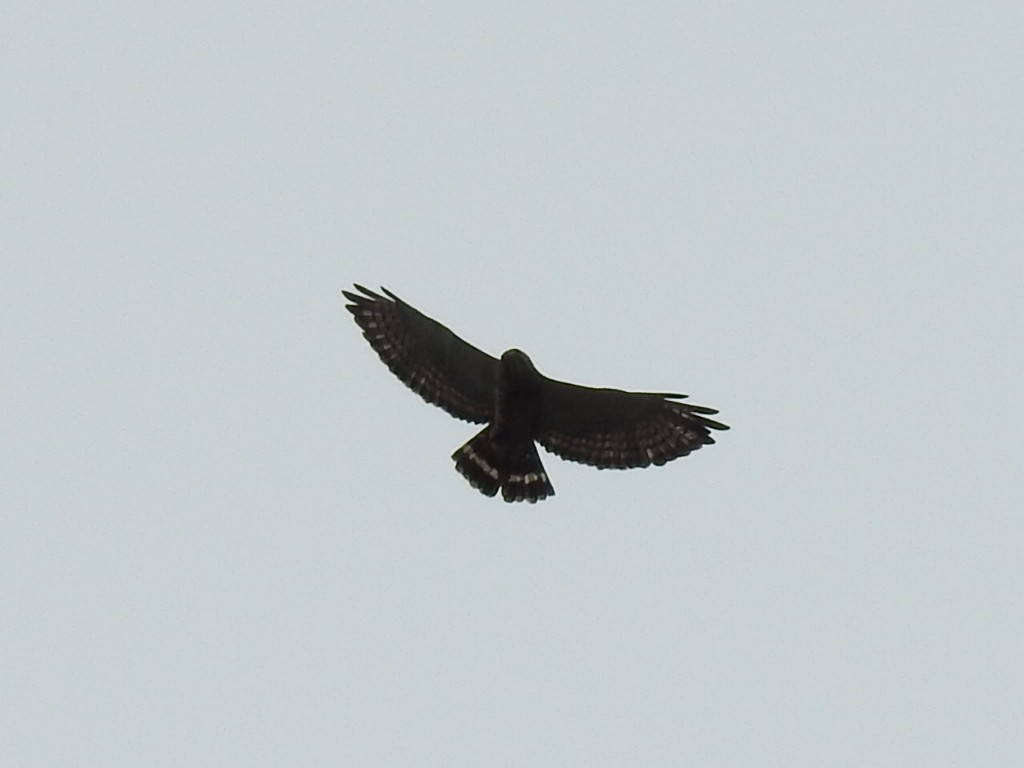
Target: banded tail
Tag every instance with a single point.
(517, 471)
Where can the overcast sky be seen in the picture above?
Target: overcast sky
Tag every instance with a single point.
(229, 537)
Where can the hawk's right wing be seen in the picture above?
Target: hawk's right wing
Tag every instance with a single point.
(429, 359)
(610, 428)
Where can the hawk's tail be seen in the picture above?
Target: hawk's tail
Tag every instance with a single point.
(518, 473)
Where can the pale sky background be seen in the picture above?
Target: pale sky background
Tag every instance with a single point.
(229, 537)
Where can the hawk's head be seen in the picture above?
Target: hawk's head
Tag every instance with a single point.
(517, 364)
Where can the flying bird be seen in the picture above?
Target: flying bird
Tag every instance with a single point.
(605, 428)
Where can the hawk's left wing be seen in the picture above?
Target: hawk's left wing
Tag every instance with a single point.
(429, 359)
(610, 428)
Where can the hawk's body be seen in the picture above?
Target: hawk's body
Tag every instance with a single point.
(606, 428)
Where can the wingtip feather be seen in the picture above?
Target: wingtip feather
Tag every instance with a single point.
(369, 295)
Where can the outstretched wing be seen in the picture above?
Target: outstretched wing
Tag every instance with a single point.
(429, 359)
(609, 428)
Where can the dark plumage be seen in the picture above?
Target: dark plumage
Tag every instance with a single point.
(606, 428)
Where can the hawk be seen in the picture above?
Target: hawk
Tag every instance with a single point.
(605, 428)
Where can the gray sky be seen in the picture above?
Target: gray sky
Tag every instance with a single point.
(230, 538)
